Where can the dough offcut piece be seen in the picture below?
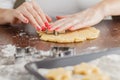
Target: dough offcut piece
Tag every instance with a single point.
(75, 36)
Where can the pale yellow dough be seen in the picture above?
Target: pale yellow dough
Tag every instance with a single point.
(75, 36)
(59, 74)
(85, 70)
(96, 77)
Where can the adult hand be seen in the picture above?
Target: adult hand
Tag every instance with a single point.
(79, 20)
(30, 12)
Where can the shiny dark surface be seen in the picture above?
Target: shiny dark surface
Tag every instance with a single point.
(26, 36)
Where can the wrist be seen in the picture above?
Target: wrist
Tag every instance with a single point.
(11, 19)
(9, 15)
(111, 7)
(105, 8)
(6, 16)
(102, 8)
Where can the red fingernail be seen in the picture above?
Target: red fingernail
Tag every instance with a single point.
(47, 25)
(43, 28)
(38, 28)
(57, 17)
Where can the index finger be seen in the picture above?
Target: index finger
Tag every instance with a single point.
(40, 11)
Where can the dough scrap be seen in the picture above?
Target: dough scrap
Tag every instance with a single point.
(68, 37)
(96, 77)
(83, 71)
(59, 74)
(86, 69)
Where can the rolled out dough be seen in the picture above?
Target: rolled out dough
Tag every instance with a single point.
(74, 36)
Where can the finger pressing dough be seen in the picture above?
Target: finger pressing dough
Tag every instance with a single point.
(75, 36)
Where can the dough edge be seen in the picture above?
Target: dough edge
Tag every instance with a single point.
(80, 35)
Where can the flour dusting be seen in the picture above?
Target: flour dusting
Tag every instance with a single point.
(109, 64)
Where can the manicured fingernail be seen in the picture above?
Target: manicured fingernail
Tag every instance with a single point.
(57, 17)
(38, 28)
(43, 28)
(47, 25)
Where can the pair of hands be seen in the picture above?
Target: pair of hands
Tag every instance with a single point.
(30, 12)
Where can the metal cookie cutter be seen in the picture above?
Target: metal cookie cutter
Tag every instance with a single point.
(62, 51)
(55, 32)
